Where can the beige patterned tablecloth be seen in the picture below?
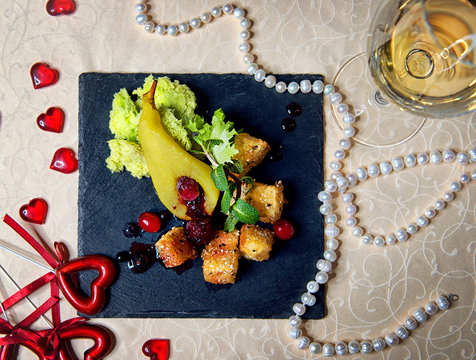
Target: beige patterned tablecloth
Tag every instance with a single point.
(371, 291)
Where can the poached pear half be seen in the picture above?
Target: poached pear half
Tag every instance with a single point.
(168, 162)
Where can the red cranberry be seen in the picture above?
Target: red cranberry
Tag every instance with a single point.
(149, 222)
(200, 231)
(188, 189)
(283, 229)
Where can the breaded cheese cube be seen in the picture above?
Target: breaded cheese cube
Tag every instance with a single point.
(267, 199)
(251, 151)
(255, 242)
(220, 258)
(174, 248)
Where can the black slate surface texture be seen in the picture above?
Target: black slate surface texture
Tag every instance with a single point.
(108, 201)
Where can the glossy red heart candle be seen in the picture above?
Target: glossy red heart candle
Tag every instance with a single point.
(52, 120)
(43, 75)
(64, 160)
(106, 273)
(60, 7)
(35, 211)
(156, 349)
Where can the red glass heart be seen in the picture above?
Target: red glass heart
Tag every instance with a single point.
(60, 7)
(64, 160)
(156, 349)
(43, 75)
(103, 340)
(52, 120)
(106, 273)
(35, 211)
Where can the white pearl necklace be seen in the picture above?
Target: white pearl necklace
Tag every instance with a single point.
(338, 183)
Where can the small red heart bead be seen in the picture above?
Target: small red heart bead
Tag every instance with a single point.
(156, 349)
(64, 160)
(35, 211)
(43, 75)
(60, 7)
(52, 120)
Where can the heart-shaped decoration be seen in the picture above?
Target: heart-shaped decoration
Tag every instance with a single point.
(106, 273)
(52, 120)
(43, 75)
(156, 349)
(64, 160)
(60, 7)
(103, 341)
(35, 211)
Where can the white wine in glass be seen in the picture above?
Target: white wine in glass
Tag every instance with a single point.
(422, 55)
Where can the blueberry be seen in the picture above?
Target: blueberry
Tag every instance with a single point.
(165, 215)
(123, 256)
(131, 230)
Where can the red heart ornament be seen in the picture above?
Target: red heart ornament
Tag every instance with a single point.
(35, 211)
(52, 120)
(43, 75)
(60, 7)
(64, 160)
(156, 349)
(106, 273)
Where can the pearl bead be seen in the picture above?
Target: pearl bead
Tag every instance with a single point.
(322, 277)
(260, 75)
(324, 196)
(161, 29)
(341, 348)
(335, 165)
(348, 198)
(402, 332)
(357, 231)
(348, 118)
(391, 339)
(379, 344)
(345, 144)
(335, 175)
(443, 302)
(329, 89)
(312, 286)
(270, 81)
(472, 155)
(373, 170)
(293, 87)
(332, 244)
(390, 239)
(339, 154)
(449, 155)
(305, 86)
(295, 321)
(252, 68)
(172, 30)
(435, 157)
(462, 158)
(401, 235)
(342, 108)
(317, 87)
(379, 241)
(350, 209)
(299, 309)
(315, 348)
(420, 315)
(280, 87)
(464, 178)
(141, 19)
(238, 13)
(184, 28)
(366, 347)
(308, 299)
(354, 347)
(410, 160)
(455, 186)
(367, 239)
(398, 164)
(140, 7)
(195, 23)
(412, 228)
(295, 333)
(216, 11)
(303, 343)
(473, 175)
(422, 221)
(206, 17)
(348, 131)
(385, 167)
(361, 173)
(351, 221)
(335, 98)
(331, 231)
(325, 209)
(422, 159)
(330, 255)
(440, 205)
(245, 23)
(448, 196)
(228, 9)
(149, 26)
(431, 308)
(330, 186)
(328, 350)
(430, 213)
(245, 35)
(244, 47)
(410, 323)
(249, 58)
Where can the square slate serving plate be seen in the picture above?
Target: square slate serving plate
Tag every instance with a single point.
(108, 201)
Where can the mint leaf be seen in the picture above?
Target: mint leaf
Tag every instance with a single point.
(245, 212)
(219, 178)
(248, 180)
(230, 223)
(227, 197)
(234, 166)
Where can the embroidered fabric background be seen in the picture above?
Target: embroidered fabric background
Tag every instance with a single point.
(372, 289)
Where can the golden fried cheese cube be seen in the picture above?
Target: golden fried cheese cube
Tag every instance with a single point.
(220, 258)
(251, 151)
(255, 242)
(174, 248)
(267, 199)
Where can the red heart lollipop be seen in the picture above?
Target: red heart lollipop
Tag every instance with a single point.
(95, 302)
(35, 211)
(52, 120)
(64, 160)
(60, 7)
(43, 75)
(156, 349)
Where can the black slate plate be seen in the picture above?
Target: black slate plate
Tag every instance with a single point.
(107, 201)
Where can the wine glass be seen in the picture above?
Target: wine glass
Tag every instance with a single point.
(421, 58)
